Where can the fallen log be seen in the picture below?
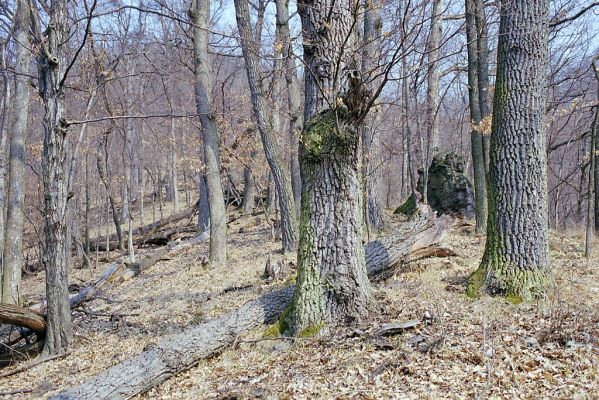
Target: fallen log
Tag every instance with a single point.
(21, 316)
(100, 243)
(32, 319)
(176, 353)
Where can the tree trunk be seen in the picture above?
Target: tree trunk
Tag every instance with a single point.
(176, 353)
(516, 259)
(13, 247)
(332, 285)
(173, 167)
(371, 139)
(249, 189)
(87, 243)
(101, 162)
(432, 93)
(4, 122)
(293, 97)
(482, 70)
(594, 171)
(269, 141)
(476, 136)
(200, 16)
(594, 129)
(52, 68)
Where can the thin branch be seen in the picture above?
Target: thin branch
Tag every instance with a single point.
(575, 16)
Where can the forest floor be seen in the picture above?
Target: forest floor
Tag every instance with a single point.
(463, 348)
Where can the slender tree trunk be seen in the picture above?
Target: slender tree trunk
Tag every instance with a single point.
(13, 247)
(101, 162)
(588, 245)
(593, 172)
(432, 93)
(249, 188)
(4, 132)
(371, 139)
(269, 142)
(516, 259)
(87, 244)
(332, 285)
(200, 16)
(594, 129)
(482, 70)
(476, 136)
(173, 167)
(293, 97)
(52, 68)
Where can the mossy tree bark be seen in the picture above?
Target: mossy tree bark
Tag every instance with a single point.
(516, 260)
(332, 284)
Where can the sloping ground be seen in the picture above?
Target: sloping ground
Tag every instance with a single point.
(462, 348)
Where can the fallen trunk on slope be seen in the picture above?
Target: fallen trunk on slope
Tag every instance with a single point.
(176, 353)
(29, 317)
(100, 243)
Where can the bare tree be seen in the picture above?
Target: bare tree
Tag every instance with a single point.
(200, 15)
(267, 134)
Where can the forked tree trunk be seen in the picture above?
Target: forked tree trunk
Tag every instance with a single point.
(52, 68)
(332, 285)
(13, 247)
(267, 134)
(200, 15)
(516, 259)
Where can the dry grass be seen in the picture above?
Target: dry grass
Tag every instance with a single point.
(483, 348)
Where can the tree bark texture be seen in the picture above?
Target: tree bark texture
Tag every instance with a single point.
(267, 134)
(332, 285)
(177, 353)
(13, 246)
(52, 68)
(200, 16)
(516, 259)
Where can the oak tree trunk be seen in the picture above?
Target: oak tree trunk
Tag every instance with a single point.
(516, 259)
(332, 285)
